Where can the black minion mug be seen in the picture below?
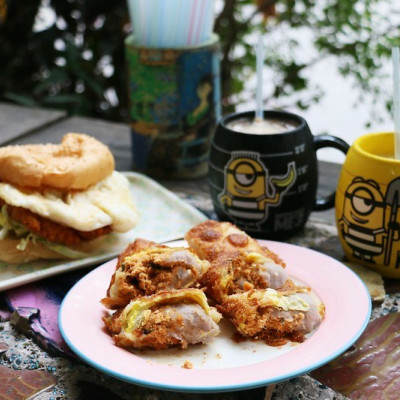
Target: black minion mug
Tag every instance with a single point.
(263, 175)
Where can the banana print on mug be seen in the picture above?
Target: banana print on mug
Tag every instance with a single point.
(249, 190)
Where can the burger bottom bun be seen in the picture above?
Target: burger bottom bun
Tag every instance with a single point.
(37, 251)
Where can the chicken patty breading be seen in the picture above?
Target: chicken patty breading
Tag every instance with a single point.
(50, 230)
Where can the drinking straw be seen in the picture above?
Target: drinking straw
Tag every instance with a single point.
(153, 18)
(208, 21)
(199, 22)
(149, 27)
(170, 34)
(192, 19)
(184, 24)
(161, 16)
(171, 23)
(396, 101)
(136, 14)
(259, 69)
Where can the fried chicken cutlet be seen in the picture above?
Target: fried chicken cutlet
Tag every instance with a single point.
(50, 230)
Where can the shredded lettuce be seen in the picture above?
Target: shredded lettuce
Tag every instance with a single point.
(25, 240)
(9, 226)
(64, 250)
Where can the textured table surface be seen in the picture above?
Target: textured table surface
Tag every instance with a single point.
(73, 379)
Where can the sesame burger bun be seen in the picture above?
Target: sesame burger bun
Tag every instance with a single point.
(77, 163)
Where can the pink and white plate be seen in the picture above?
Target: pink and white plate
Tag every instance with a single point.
(223, 365)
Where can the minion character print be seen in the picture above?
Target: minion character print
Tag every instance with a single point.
(368, 224)
(249, 190)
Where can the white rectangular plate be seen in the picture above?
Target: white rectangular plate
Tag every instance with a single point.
(163, 217)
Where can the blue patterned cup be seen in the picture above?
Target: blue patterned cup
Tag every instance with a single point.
(174, 105)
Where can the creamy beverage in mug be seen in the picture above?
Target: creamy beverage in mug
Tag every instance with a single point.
(261, 126)
(263, 175)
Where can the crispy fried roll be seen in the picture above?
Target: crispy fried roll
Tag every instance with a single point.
(244, 272)
(239, 263)
(274, 316)
(146, 268)
(168, 319)
(212, 239)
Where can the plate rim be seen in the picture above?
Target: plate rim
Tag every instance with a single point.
(220, 388)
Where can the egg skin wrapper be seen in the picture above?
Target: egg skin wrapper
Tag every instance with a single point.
(146, 268)
(213, 239)
(168, 319)
(274, 316)
(245, 271)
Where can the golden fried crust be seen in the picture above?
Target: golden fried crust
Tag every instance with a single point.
(155, 335)
(113, 322)
(230, 276)
(50, 230)
(136, 246)
(166, 319)
(145, 268)
(218, 281)
(213, 239)
(252, 320)
(78, 162)
(132, 248)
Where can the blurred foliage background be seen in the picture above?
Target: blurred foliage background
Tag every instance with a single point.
(69, 54)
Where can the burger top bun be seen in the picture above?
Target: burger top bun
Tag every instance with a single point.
(77, 163)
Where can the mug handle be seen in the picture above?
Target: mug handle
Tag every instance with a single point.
(320, 141)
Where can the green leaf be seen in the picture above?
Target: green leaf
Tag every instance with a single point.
(21, 99)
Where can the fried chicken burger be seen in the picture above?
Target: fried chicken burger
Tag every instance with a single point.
(58, 200)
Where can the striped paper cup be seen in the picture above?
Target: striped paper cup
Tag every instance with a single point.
(171, 23)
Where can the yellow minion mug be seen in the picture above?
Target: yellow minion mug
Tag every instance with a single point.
(368, 204)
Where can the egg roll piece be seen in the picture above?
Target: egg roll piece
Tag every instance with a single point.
(212, 239)
(244, 272)
(167, 319)
(145, 268)
(273, 316)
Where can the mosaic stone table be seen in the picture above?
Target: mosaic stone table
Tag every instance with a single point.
(75, 380)
(69, 378)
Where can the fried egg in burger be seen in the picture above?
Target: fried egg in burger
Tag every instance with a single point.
(57, 200)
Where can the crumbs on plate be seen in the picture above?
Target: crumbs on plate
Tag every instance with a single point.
(161, 295)
(187, 365)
